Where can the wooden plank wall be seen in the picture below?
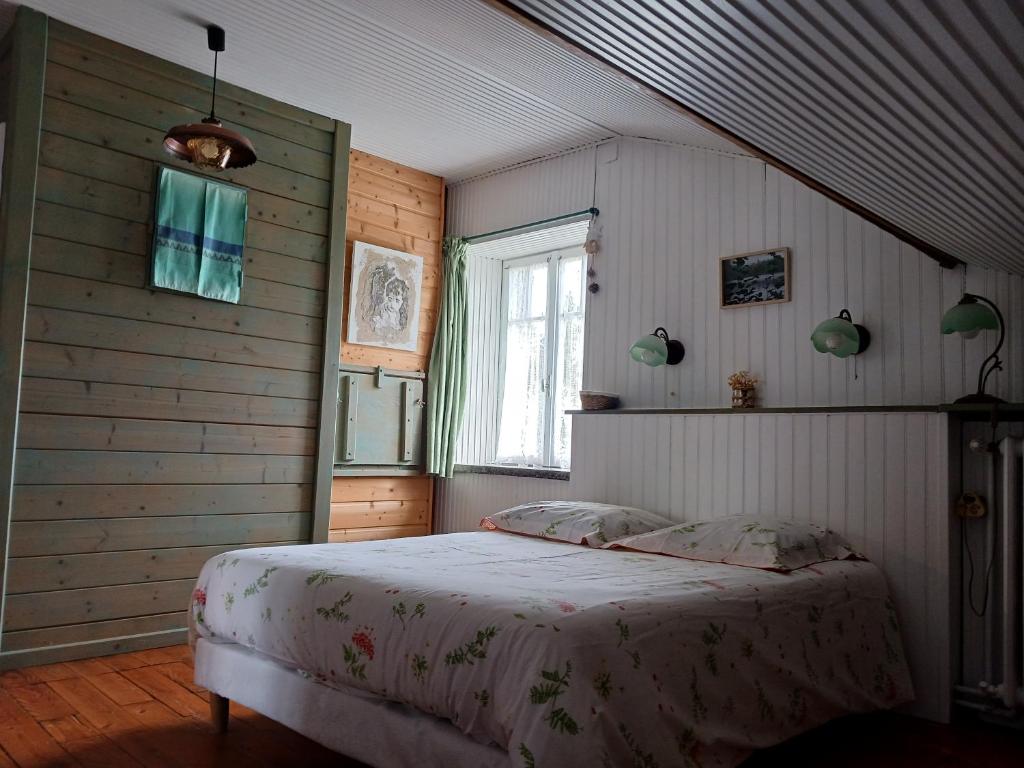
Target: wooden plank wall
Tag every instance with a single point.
(397, 207)
(365, 508)
(156, 429)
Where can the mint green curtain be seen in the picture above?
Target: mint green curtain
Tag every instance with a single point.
(446, 380)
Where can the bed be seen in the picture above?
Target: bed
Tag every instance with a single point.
(494, 649)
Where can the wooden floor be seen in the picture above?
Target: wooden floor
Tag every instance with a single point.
(137, 709)
(142, 709)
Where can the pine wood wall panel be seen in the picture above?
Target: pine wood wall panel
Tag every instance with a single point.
(157, 429)
(398, 207)
(364, 508)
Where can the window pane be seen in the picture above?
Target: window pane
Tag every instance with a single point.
(528, 291)
(524, 399)
(570, 285)
(569, 359)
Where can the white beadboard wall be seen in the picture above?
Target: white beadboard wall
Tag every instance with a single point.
(880, 478)
(669, 212)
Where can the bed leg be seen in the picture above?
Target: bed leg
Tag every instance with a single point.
(219, 712)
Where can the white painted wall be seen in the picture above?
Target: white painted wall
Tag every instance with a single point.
(669, 212)
(880, 478)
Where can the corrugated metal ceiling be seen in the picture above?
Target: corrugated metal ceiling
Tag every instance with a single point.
(453, 87)
(912, 108)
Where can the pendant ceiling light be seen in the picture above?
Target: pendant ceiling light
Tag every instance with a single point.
(209, 144)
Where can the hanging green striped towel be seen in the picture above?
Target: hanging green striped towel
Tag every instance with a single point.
(199, 237)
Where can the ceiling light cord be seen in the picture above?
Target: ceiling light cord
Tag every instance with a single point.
(213, 99)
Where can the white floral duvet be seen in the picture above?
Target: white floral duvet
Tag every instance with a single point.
(566, 655)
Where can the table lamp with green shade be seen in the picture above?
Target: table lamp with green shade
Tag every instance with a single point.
(972, 315)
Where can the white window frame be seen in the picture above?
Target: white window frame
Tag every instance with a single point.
(553, 310)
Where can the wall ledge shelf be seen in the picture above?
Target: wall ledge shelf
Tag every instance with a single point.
(1004, 411)
(541, 473)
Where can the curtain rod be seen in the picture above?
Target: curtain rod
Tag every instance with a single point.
(526, 227)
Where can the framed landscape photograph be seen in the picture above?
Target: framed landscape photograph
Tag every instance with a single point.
(384, 302)
(760, 277)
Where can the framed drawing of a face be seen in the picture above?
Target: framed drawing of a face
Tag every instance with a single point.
(385, 296)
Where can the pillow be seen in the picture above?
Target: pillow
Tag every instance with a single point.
(757, 542)
(578, 522)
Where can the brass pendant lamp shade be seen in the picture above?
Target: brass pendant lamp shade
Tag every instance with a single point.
(208, 144)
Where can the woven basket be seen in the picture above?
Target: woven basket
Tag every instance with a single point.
(598, 401)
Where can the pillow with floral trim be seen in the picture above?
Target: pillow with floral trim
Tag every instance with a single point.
(753, 541)
(577, 522)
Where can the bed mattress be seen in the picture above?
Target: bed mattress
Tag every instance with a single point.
(565, 655)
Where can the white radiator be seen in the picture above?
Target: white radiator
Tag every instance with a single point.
(1011, 449)
(1000, 640)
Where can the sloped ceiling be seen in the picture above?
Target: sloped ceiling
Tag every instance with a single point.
(453, 87)
(912, 108)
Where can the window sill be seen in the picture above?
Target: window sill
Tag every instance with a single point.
(541, 473)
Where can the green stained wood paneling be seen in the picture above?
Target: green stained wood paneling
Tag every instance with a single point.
(332, 335)
(122, 234)
(27, 65)
(246, 117)
(104, 130)
(77, 260)
(100, 298)
(284, 269)
(64, 537)
(103, 569)
(106, 467)
(146, 63)
(71, 189)
(51, 431)
(85, 364)
(97, 638)
(75, 606)
(85, 398)
(59, 326)
(157, 112)
(158, 429)
(197, 98)
(75, 502)
(62, 156)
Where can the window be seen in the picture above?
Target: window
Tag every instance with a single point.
(541, 357)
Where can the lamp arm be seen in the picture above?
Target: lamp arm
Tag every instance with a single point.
(993, 358)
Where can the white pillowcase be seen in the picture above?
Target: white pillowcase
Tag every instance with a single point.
(577, 522)
(754, 541)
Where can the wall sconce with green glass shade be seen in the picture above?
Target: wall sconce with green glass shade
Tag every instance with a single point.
(656, 349)
(840, 336)
(972, 315)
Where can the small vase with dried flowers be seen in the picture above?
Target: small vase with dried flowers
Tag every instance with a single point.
(744, 389)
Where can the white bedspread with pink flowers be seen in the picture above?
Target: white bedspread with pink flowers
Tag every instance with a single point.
(567, 655)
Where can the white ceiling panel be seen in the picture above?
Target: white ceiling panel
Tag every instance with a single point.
(453, 87)
(912, 108)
